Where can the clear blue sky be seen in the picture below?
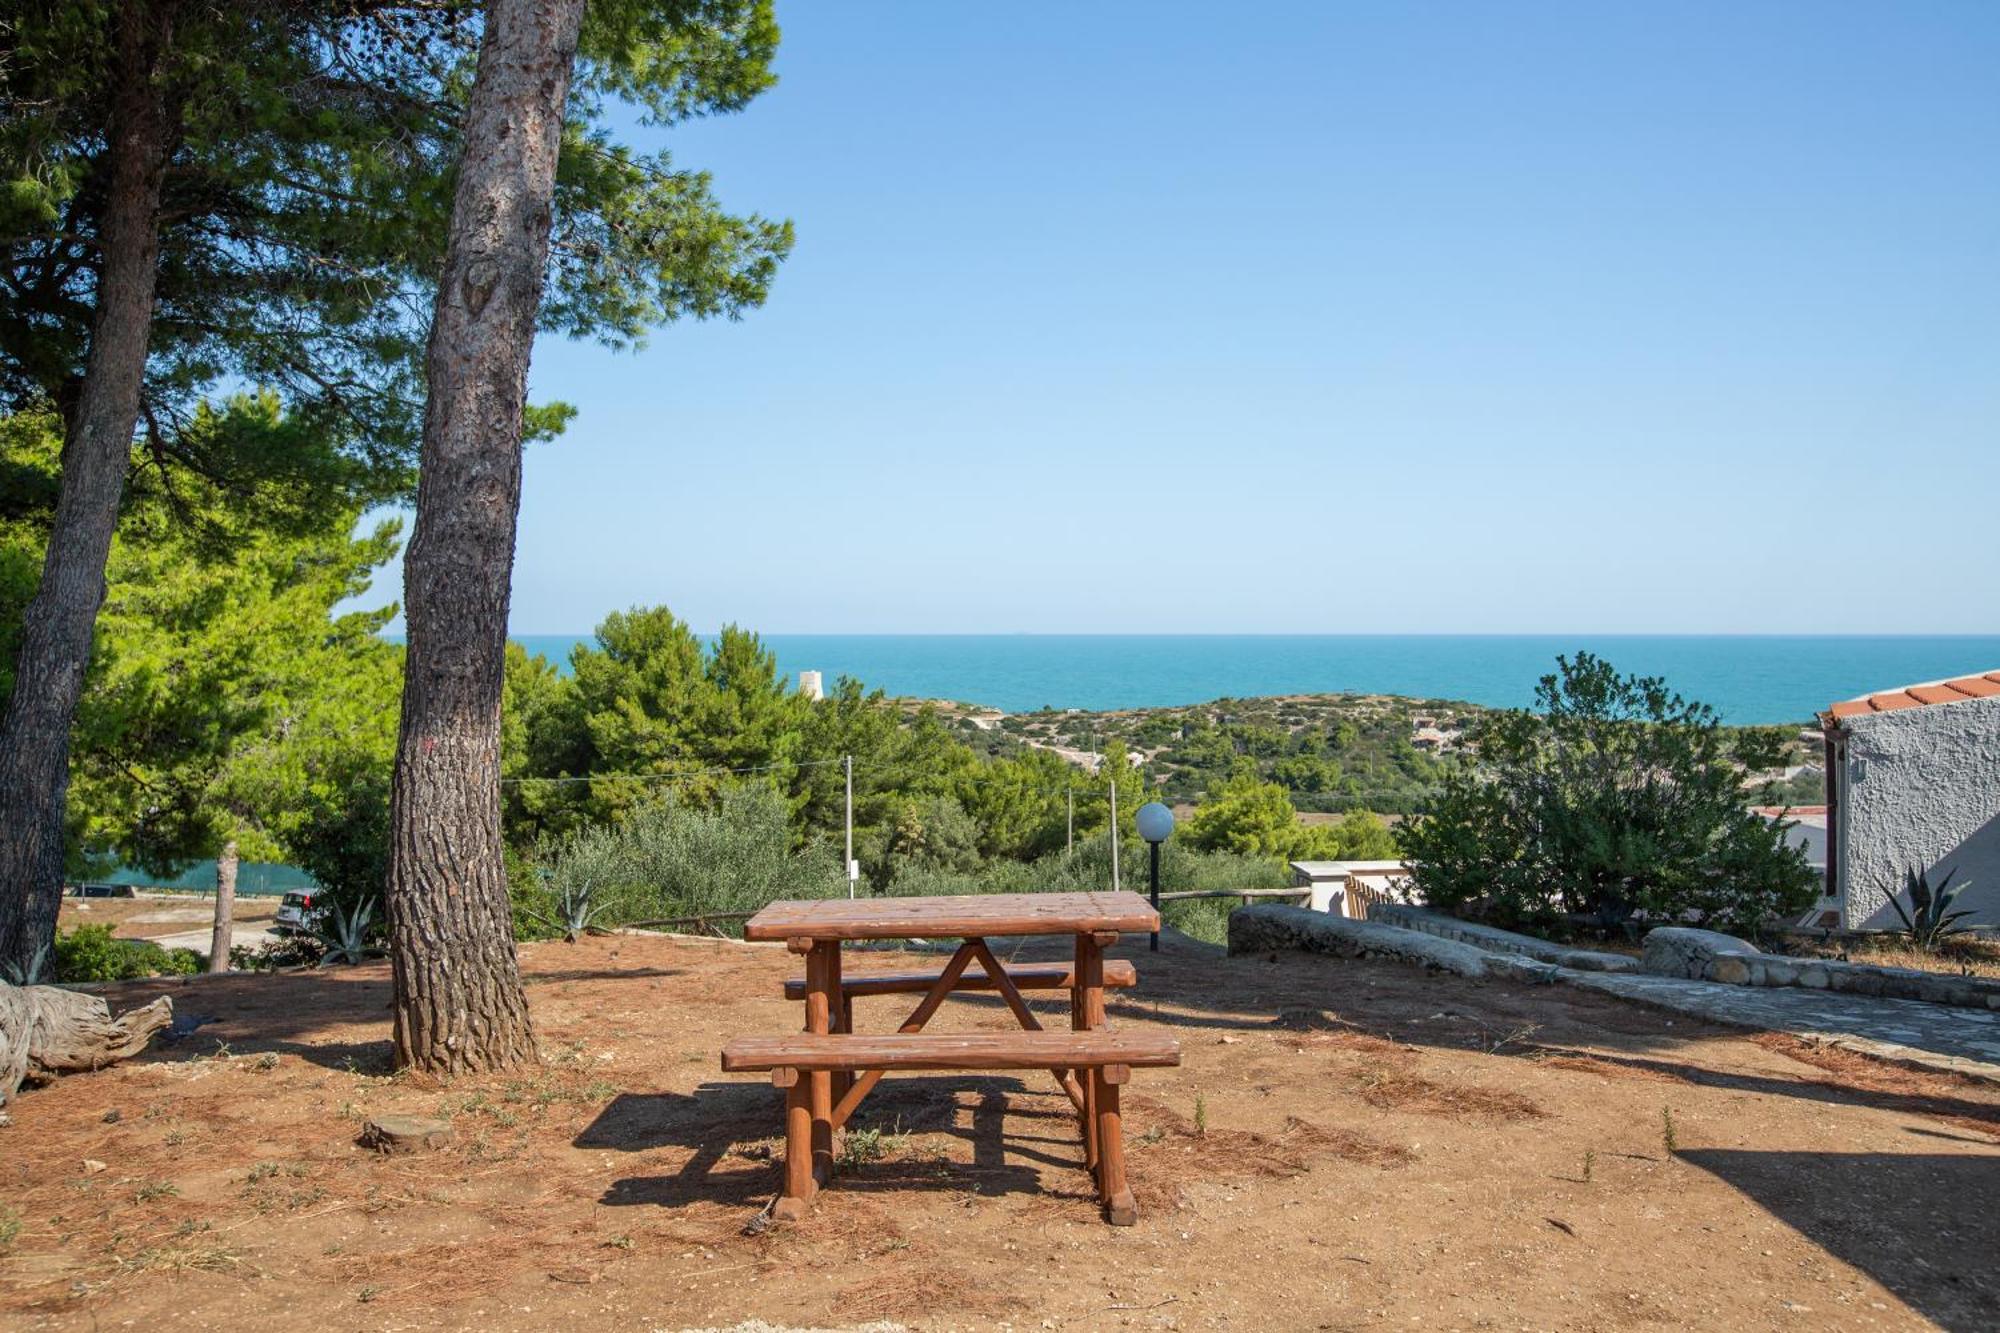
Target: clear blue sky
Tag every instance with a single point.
(1322, 317)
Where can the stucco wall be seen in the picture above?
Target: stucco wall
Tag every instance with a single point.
(1923, 791)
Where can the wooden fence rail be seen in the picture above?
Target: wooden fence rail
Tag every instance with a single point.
(1247, 895)
(701, 921)
(707, 921)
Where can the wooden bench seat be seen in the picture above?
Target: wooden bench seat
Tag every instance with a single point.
(1118, 973)
(951, 1050)
(1105, 1058)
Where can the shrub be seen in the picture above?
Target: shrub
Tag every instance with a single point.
(1617, 797)
(670, 859)
(276, 954)
(1182, 869)
(92, 953)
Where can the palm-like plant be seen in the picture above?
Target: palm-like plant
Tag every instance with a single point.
(1931, 920)
(576, 909)
(32, 973)
(343, 933)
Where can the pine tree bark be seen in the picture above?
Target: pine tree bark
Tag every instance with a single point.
(225, 908)
(97, 449)
(460, 1006)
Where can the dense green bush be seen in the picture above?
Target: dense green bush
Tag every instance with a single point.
(1615, 798)
(675, 859)
(92, 953)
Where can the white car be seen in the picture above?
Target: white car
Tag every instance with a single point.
(297, 915)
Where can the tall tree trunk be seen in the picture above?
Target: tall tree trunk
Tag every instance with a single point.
(225, 908)
(97, 451)
(459, 1002)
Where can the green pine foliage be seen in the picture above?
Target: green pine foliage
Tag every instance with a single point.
(303, 220)
(226, 699)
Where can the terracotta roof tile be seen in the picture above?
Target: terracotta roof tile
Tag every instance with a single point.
(1984, 686)
(1889, 701)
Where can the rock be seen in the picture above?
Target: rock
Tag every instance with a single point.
(1683, 951)
(1730, 971)
(1263, 927)
(1493, 940)
(1813, 976)
(404, 1133)
(91, 1166)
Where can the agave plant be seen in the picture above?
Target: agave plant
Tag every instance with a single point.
(343, 933)
(30, 975)
(1930, 920)
(576, 908)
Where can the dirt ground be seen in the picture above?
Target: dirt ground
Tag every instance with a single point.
(1346, 1145)
(151, 918)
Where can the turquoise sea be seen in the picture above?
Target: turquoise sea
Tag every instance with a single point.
(1748, 678)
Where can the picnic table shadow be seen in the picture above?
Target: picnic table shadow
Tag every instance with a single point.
(1918, 1223)
(716, 1117)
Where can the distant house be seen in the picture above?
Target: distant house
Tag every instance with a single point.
(1912, 783)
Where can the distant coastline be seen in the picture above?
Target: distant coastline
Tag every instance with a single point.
(1748, 678)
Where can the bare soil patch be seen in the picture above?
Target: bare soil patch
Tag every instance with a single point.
(1346, 1145)
(150, 918)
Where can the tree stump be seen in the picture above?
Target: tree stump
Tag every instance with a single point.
(404, 1133)
(46, 1030)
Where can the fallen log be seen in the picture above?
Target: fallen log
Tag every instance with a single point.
(46, 1030)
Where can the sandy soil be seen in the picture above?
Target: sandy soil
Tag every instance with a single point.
(1346, 1145)
(155, 918)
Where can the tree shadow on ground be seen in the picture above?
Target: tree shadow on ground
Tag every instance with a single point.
(598, 974)
(1919, 1224)
(1201, 989)
(1910, 1103)
(337, 1018)
(725, 1123)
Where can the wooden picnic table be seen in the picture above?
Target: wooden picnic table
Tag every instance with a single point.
(831, 1068)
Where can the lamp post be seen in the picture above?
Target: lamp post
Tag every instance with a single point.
(1156, 823)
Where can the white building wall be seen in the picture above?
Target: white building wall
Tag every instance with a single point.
(1920, 791)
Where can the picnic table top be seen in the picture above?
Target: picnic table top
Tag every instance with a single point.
(963, 916)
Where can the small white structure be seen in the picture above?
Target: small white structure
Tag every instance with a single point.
(810, 686)
(1913, 783)
(1345, 888)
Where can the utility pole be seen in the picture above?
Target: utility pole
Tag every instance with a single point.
(1069, 846)
(1114, 835)
(847, 766)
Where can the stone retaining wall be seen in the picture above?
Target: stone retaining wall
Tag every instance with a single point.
(1707, 955)
(1493, 939)
(1266, 927)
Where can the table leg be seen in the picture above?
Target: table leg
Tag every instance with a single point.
(842, 1020)
(799, 1182)
(1087, 1014)
(1120, 1208)
(822, 967)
